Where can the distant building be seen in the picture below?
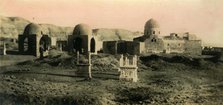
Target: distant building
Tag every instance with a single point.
(174, 43)
(207, 50)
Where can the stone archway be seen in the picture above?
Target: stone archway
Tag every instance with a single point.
(92, 45)
(44, 43)
(78, 44)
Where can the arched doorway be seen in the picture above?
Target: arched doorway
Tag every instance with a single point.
(92, 45)
(45, 42)
(78, 44)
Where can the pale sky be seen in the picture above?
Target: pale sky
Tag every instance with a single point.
(201, 17)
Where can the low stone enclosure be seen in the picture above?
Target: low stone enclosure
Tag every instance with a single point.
(127, 67)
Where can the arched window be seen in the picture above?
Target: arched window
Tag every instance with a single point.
(153, 40)
(92, 45)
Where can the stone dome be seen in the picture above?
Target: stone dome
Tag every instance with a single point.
(82, 29)
(151, 23)
(32, 28)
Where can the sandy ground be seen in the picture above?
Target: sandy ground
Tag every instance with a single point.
(53, 81)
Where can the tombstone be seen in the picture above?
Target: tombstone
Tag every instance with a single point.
(3, 49)
(60, 47)
(84, 69)
(128, 69)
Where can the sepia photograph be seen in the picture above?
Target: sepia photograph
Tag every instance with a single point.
(111, 52)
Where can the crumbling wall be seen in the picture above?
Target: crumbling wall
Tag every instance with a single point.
(193, 47)
(122, 47)
(110, 47)
(133, 47)
(173, 46)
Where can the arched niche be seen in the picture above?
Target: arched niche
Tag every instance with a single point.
(26, 44)
(92, 45)
(77, 44)
(44, 43)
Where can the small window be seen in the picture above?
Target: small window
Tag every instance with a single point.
(168, 44)
(153, 40)
(179, 44)
(154, 32)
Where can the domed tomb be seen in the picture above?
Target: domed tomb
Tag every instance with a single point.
(82, 40)
(82, 29)
(151, 28)
(32, 29)
(33, 41)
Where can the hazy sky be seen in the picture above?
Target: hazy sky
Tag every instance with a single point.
(201, 17)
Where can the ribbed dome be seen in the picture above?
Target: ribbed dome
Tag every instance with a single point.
(32, 28)
(152, 24)
(82, 29)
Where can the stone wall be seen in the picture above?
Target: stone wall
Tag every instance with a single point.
(193, 47)
(154, 45)
(133, 47)
(53, 41)
(110, 47)
(173, 46)
(122, 47)
(31, 44)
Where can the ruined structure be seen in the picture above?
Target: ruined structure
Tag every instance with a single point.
(82, 40)
(33, 41)
(128, 68)
(84, 68)
(174, 43)
(123, 47)
(62, 44)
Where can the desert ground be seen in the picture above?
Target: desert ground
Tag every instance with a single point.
(163, 79)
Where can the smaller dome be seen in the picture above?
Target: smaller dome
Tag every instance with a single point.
(82, 29)
(151, 23)
(32, 28)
